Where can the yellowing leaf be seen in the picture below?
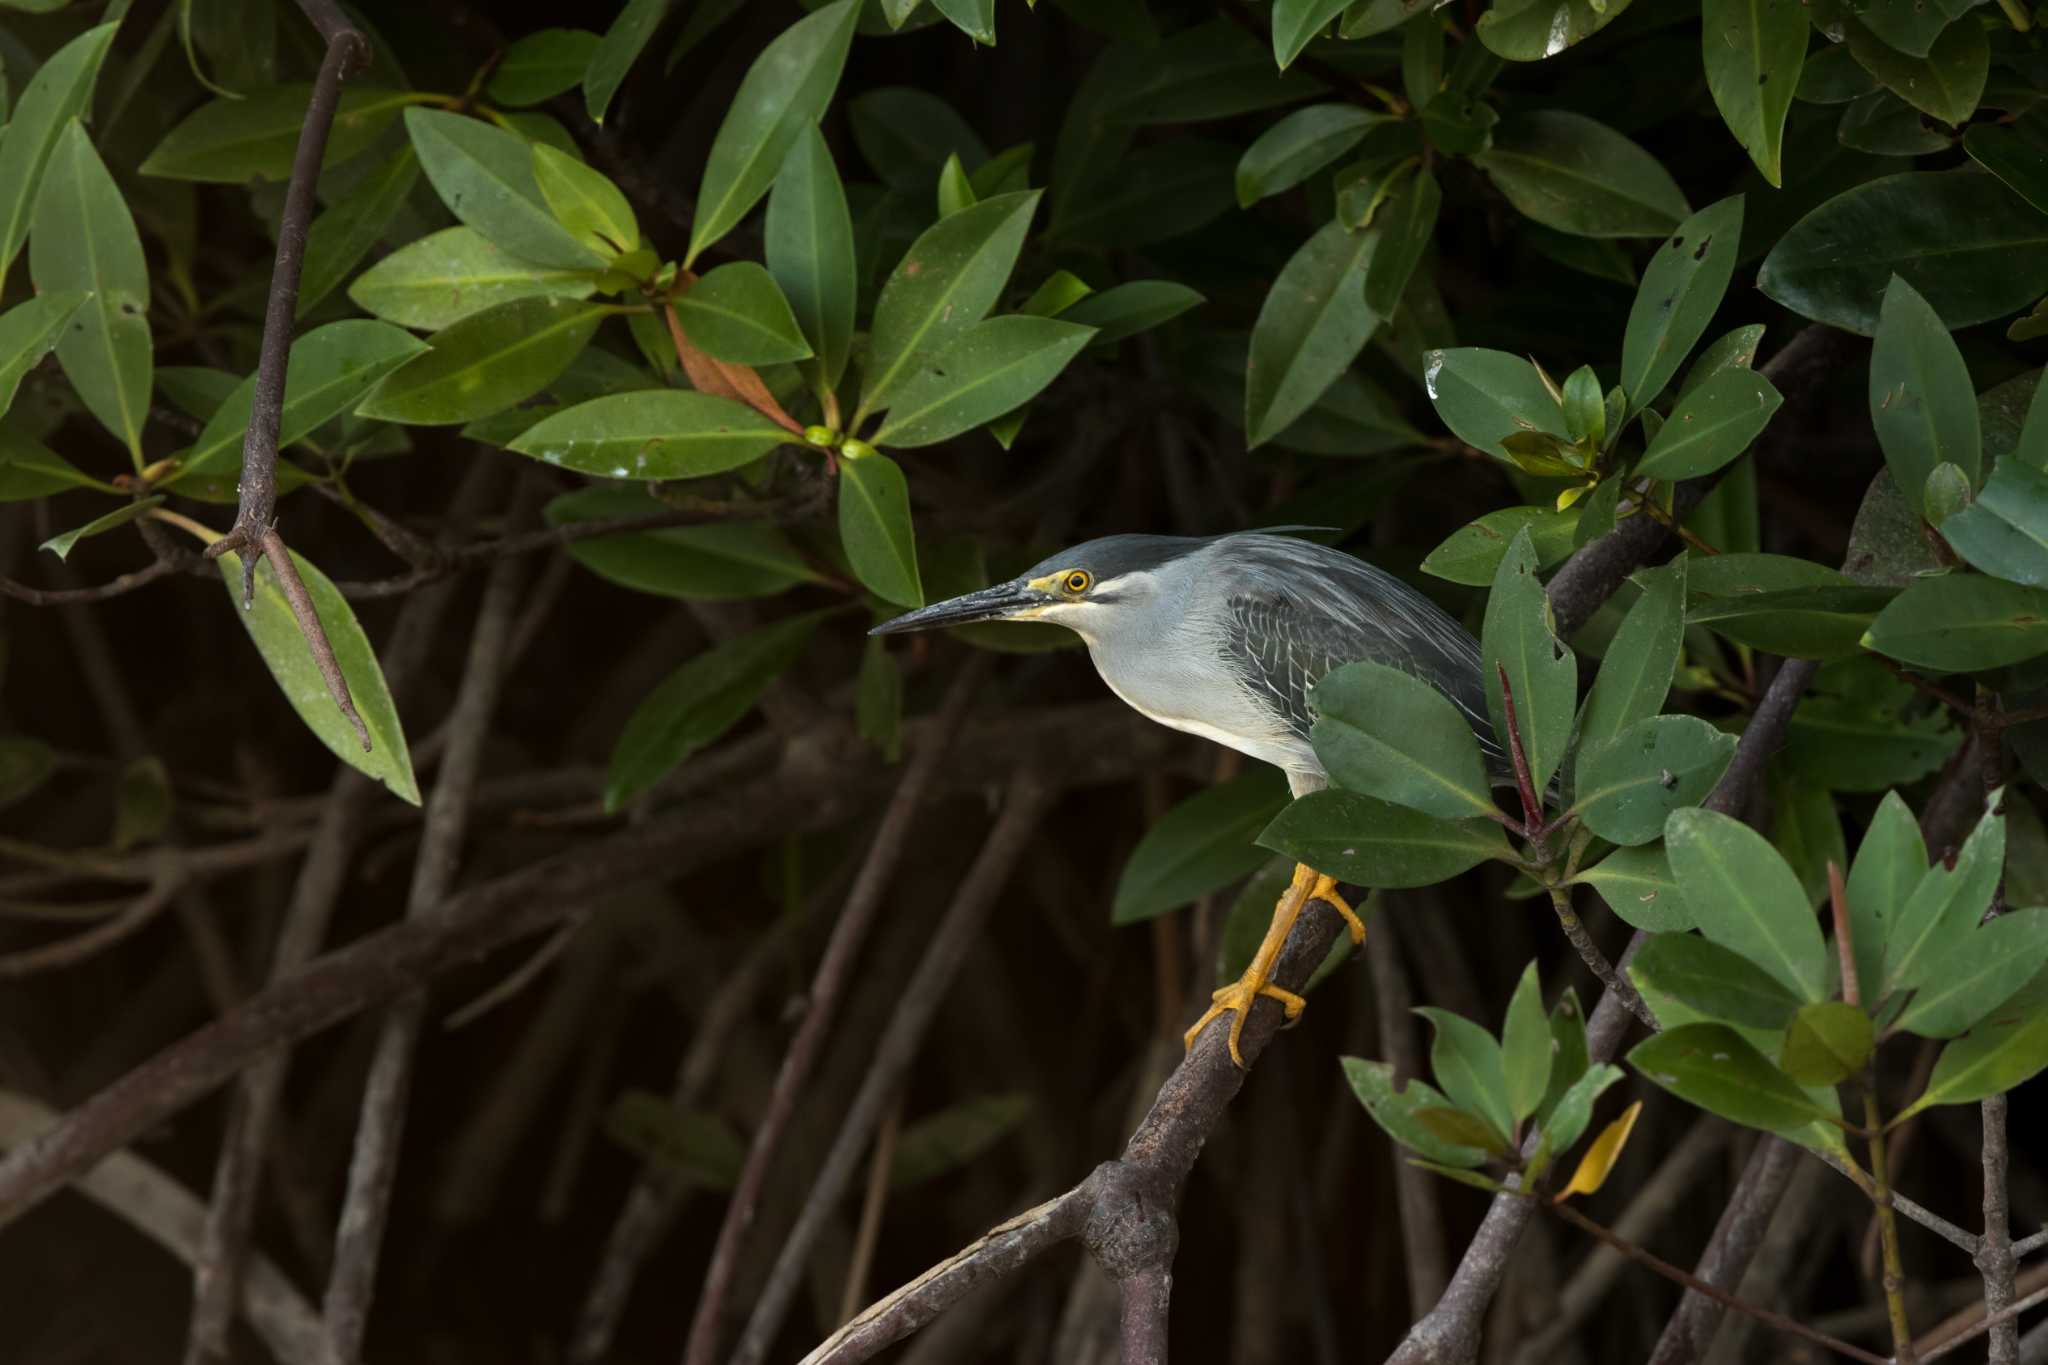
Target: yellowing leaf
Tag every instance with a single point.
(1601, 1156)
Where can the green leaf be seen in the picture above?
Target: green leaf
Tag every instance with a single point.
(689, 1148)
(993, 367)
(85, 242)
(25, 764)
(952, 1138)
(1567, 1119)
(737, 314)
(945, 283)
(878, 700)
(1831, 76)
(1635, 675)
(1125, 310)
(2004, 532)
(874, 528)
(1962, 622)
(29, 469)
(1736, 350)
(540, 66)
(449, 275)
(1681, 289)
(486, 362)
(1805, 829)
(1471, 554)
(1525, 1046)
(1395, 1111)
(28, 332)
(585, 202)
(1801, 623)
(1630, 783)
(275, 630)
(1999, 1054)
(1202, 845)
(1298, 146)
(64, 542)
(1193, 174)
(2016, 153)
(1971, 247)
(1972, 970)
(229, 141)
(1826, 1043)
(328, 370)
(1520, 637)
(1406, 225)
(1296, 23)
(1368, 842)
(60, 91)
(1886, 125)
(809, 248)
(1457, 1126)
(1921, 399)
(655, 434)
(1714, 1067)
(1571, 173)
(1467, 1063)
(1638, 886)
(1568, 1058)
(1947, 82)
(1484, 397)
(1388, 734)
(699, 702)
(1744, 897)
(720, 560)
(907, 134)
(485, 177)
(1716, 982)
(785, 92)
(616, 52)
(1531, 30)
(1313, 324)
(142, 803)
(1753, 51)
(975, 18)
(344, 234)
(1890, 863)
(1907, 26)
(1711, 425)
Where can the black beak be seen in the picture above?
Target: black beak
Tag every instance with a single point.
(990, 604)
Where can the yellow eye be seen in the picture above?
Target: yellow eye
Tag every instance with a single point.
(1078, 582)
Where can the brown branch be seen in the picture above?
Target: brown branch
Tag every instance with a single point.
(69, 952)
(2004, 1315)
(102, 592)
(1142, 1316)
(1596, 961)
(1736, 1238)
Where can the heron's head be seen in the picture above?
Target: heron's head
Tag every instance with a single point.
(1088, 589)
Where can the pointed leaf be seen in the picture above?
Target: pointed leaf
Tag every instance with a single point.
(485, 177)
(64, 542)
(1716, 1068)
(720, 560)
(1296, 23)
(1890, 864)
(1202, 845)
(541, 66)
(1947, 82)
(1961, 623)
(229, 141)
(1744, 897)
(1681, 289)
(1525, 1046)
(1717, 982)
(1406, 224)
(1574, 1108)
(585, 202)
(1826, 1043)
(809, 245)
(738, 315)
(1532, 30)
(1635, 675)
(2016, 153)
(2004, 531)
(1126, 309)
(1471, 554)
(486, 362)
(616, 52)
(1571, 173)
(1368, 842)
(1999, 1054)
(656, 434)
(874, 528)
(975, 18)
(1753, 51)
(1921, 399)
(1520, 637)
(448, 275)
(29, 331)
(1487, 396)
(992, 368)
(1299, 145)
(1601, 1156)
(1313, 324)
(1638, 886)
(1711, 426)
(1395, 1111)
(60, 91)
(1629, 785)
(1973, 969)
(1387, 733)
(1467, 1064)
(344, 234)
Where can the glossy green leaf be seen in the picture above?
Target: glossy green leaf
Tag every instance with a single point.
(1716, 1068)
(1885, 125)
(874, 529)
(616, 51)
(1388, 734)
(1313, 324)
(1635, 674)
(1908, 26)
(1296, 23)
(28, 332)
(1638, 886)
(85, 242)
(1299, 145)
(1800, 623)
(655, 434)
(1395, 1111)
(1471, 554)
(785, 92)
(2004, 532)
(275, 630)
(232, 140)
(1406, 225)
(1713, 980)
(1832, 76)
(737, 314)
(1574, 1108)
(1125, 310)
(992, 368)
(945, 283)
(1191, 173)
(62, 544)
(485, 177)
(1999, 1054)
(2016, 153)
(1972, 970)
(540, 66)
(1805, 829)
(1826, 1043)
(1962, 622)
(1734, 351)
(585, 202)
(1681, 289)
(1520, 638)
(1532, 30)
(1568, 1058)
(60, 91)
(344, 234)
(1630, 783)
(30, 469)
(1571, 173)
(907, 135)
(1525, 1046)
(1945, 904)
(1368, 842)
(809, 248)
(486, 362)
(720, 560)
(1744, 897)
(1753, 51)
(1711, 425)
(1200, 846)
(329, 368)
(1484, 397)
(1890, 863)
(1921, 399)
(1947, 82)
(1467, 1063)
(449, 275)
(699, 702)
(975, 18)
(951, 1139)
(1971, 247)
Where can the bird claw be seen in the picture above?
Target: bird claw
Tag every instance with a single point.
(1237, 999)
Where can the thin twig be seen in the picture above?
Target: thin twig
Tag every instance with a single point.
(102, 592)
(871, 1205)
(68, 952)
(1596, 961)
(2010, 1313)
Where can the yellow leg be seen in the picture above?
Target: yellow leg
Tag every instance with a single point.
(1237, 999)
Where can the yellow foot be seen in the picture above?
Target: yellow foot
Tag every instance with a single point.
(1325, 890)
(1236, 999)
